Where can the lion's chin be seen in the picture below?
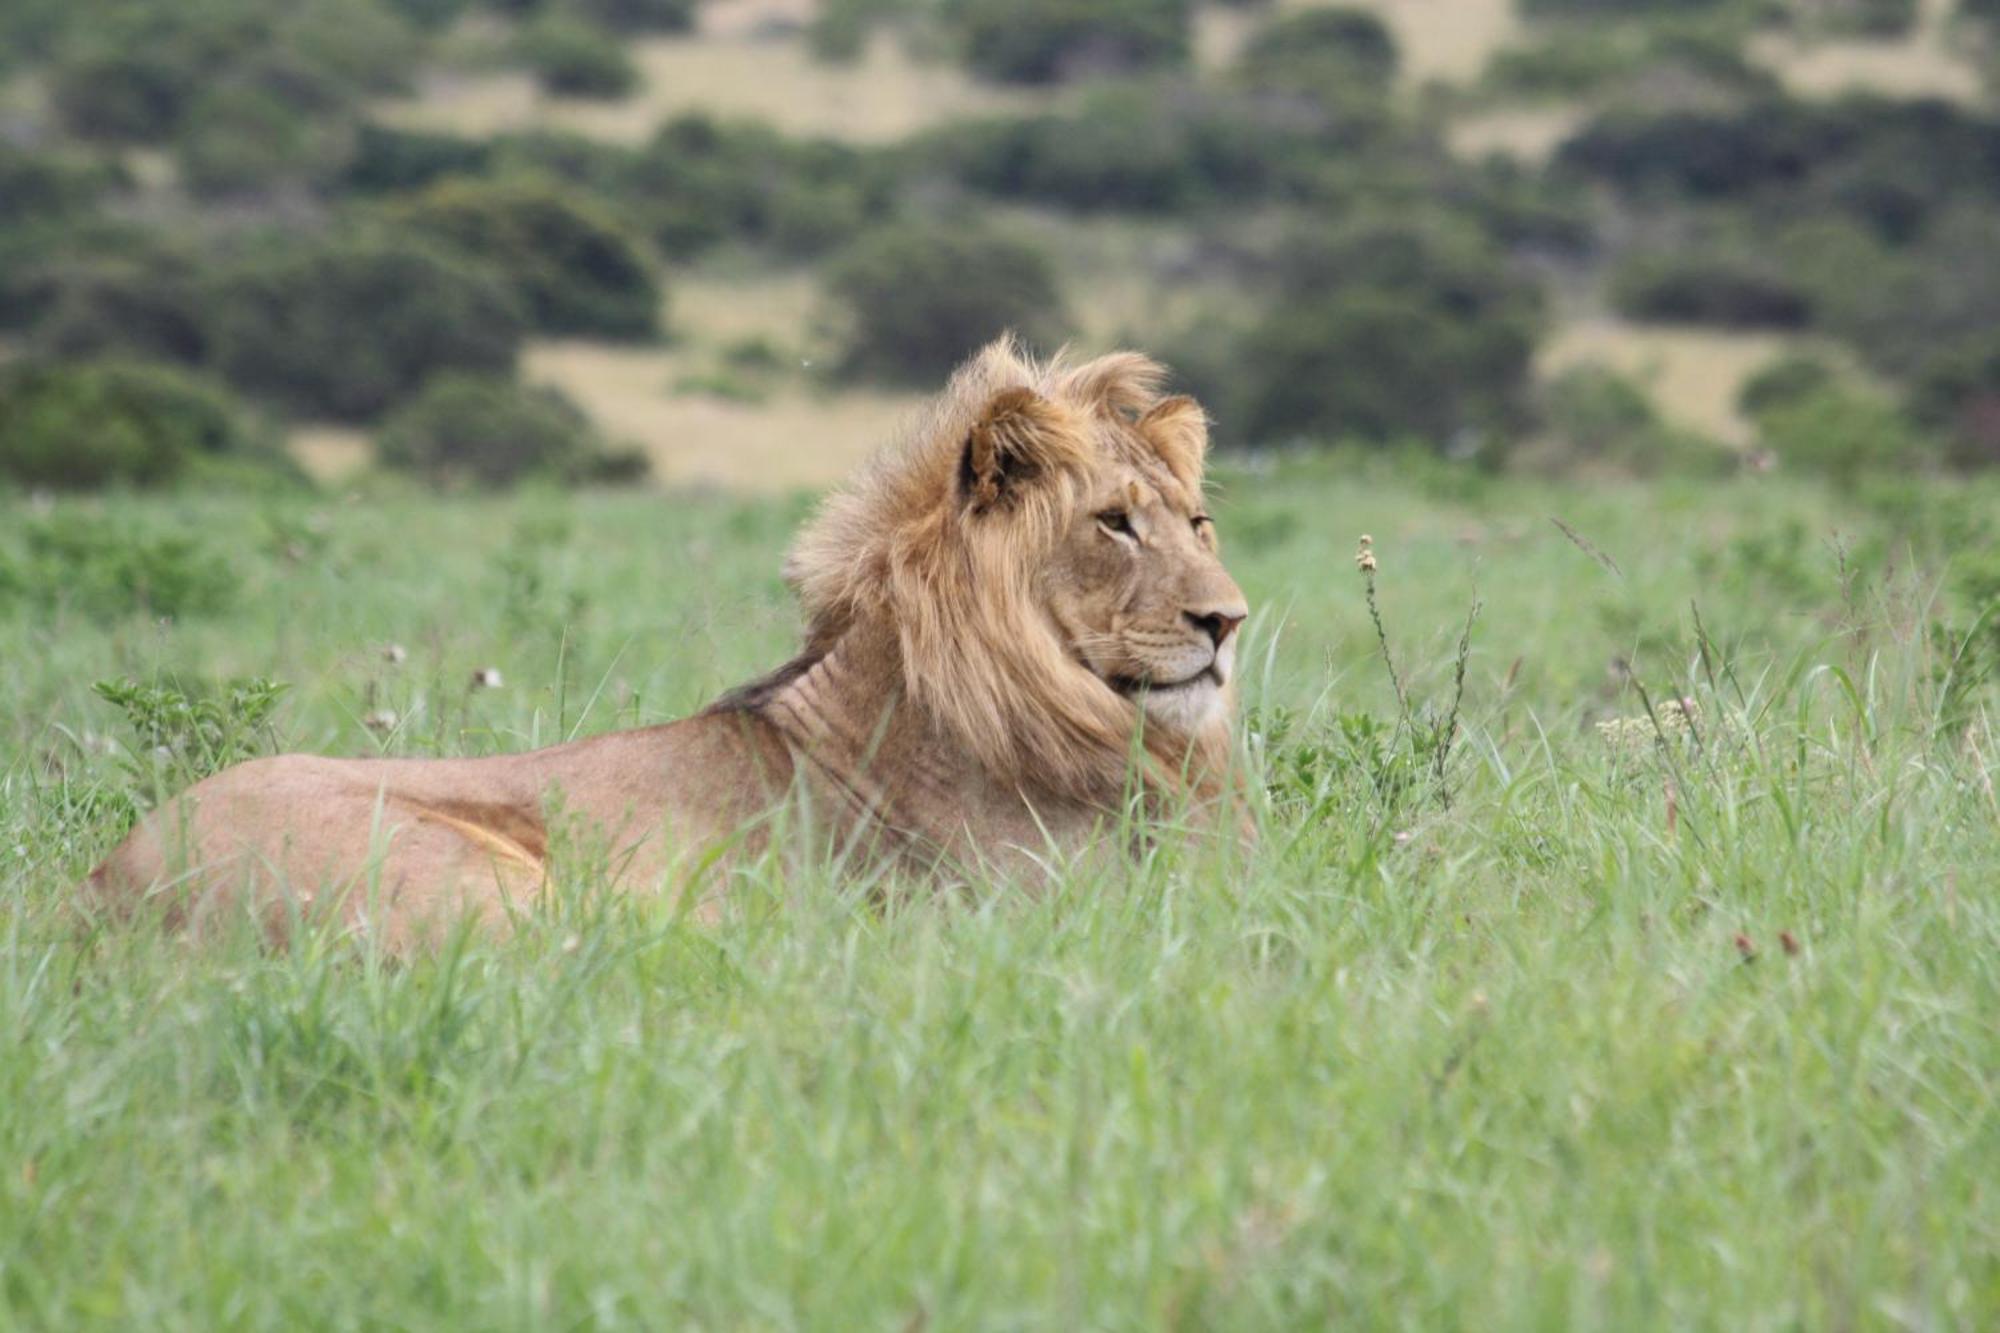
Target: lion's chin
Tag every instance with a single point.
(1185, 708)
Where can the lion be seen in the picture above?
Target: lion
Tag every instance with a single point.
(1013, 621)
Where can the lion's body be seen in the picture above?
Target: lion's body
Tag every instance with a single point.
(985, 655)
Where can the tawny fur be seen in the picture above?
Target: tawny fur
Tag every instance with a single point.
(981, 650)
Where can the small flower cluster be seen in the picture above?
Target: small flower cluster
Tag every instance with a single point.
(1364, 554)
(1677, 717)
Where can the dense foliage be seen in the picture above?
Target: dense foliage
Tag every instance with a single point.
(915, 299)
(1042, 41)
(570, 259)
(85, 425)
(468, 430)
(345, 326)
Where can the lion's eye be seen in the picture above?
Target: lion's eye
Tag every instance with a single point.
(1117, 522)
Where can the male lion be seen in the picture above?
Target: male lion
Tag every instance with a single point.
(1007, 620)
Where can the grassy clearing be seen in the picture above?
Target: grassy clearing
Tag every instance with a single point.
(1678, 1032)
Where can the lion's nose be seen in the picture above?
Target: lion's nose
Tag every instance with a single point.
(1217, 625)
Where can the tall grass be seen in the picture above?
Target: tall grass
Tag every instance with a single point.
(1647, 1026)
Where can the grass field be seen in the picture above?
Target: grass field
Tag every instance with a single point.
(1652, 1030)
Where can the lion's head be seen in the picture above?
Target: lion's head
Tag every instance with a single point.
(1040, 549)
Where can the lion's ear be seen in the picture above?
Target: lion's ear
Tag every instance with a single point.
(1177, 428)
(1020, 438)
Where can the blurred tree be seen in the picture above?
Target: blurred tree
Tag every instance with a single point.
(918, 297)
(344, 326)
(468, 430)
(1959, 392)
(577, 59)
(1322, 53)
(576, 269)
(73, 426)
(1386, 330)
(1727, 288)
(1045, 41)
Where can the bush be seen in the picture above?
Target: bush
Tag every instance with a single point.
(136, 70)
(241, 137)
(1588, 61)
(1393, 329)
(140, 304)
(1159, 151)
(572, 264)
(473, 431)
(386, 159)
(1959, 392)
(1890, 164)
(1595, 415)
(1867, 18)
(918, 297)
(344, 326)
(703, 181)
(83, 426)
(1613, 8)
(1321, 52)
(430, 14)
(1045, 41)
(1730, 290)
(1901, 307)
(1788, 380)
(1844, 434)
(102, 567)
(576, 59)
(51, 186)
(639, 15)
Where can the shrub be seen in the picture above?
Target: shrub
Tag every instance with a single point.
(1392, 329)
(1044, 41)
(639, 15)
(50, 186)
(702, 181)
(1959, 392)
(1144, 149)
(1582, 8)
(919, 296)
(1592, 414)
(387, 159)
(130, 95)
(136, 70)
(1731, 290)
(1845, 434)
(100, 565)
(575, 268)
(79, 426)
(430, 13)
(840, 28)
(576, 59)
(241, 137)
(1320, 51)
(1891, 164)
(473, 431)
(141, 304)
(344, 326)
(1867, 18)
(1785, 381)
(1620, 61)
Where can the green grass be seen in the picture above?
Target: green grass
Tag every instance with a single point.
(1501, 1063)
